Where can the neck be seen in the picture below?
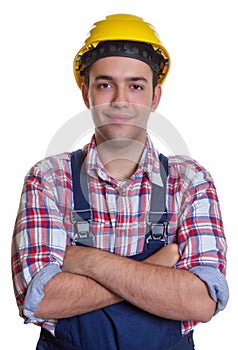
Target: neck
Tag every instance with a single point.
(121, 157)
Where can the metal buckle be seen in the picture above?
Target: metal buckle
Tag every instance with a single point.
(82, 234)
(158, 230)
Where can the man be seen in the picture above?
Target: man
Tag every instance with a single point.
(81, 287)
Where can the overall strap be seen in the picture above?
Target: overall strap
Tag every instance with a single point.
(158, 196)
(79, 177)
(81, 215)
(157, 216)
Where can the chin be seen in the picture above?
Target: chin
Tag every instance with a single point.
(121, 133)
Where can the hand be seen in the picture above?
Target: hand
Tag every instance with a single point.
(166, 256)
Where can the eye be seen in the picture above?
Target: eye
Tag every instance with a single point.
(104, 86)
(136, 87)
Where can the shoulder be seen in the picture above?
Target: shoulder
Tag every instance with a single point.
(187, 170)
(184, 162)
(56, 165)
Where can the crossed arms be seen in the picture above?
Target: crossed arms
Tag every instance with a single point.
(92, 279)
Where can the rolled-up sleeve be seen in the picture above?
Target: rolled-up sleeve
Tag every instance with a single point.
(199, 230)
(41, 231)
(35, 292)
(216, 283)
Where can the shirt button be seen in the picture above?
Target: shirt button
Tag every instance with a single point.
(123, 232)
(123, 193)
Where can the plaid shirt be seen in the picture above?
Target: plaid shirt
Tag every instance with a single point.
(43, 228)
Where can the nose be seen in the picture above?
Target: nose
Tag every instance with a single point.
(120, 98)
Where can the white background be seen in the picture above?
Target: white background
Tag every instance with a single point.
(38, 95)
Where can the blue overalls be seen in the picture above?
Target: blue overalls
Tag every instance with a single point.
(122, 326)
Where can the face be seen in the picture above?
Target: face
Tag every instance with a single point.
(120, 96)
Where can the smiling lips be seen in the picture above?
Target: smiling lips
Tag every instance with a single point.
(119, 118)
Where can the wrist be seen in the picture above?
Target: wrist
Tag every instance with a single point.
(81, 260)
(91, 259)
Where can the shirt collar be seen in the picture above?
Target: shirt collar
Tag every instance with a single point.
(94, 166)
(149, 163)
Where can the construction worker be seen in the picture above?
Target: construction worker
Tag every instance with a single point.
(142, 260)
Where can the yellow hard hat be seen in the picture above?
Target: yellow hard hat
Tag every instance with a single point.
(121, 28)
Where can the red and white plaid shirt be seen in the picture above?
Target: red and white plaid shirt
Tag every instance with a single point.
(43, 227)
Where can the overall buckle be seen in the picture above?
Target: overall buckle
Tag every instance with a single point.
(158, 227)
(159, 231)
(81, 221)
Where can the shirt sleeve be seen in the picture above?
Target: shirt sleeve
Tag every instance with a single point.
(40, 233)
(35, 292)
(200, 231)
(216, 283)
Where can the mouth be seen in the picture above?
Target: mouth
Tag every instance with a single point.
(119, 118)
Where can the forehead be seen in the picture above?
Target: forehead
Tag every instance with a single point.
(118, 67)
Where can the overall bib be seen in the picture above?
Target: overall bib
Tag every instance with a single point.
(122, 326)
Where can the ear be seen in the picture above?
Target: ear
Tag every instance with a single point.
(156, 97)
(84, 90)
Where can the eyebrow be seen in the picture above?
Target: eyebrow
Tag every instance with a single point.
(110, 78)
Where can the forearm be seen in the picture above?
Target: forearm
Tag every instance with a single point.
(68, 294)
(80, 294)
(166, 292)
